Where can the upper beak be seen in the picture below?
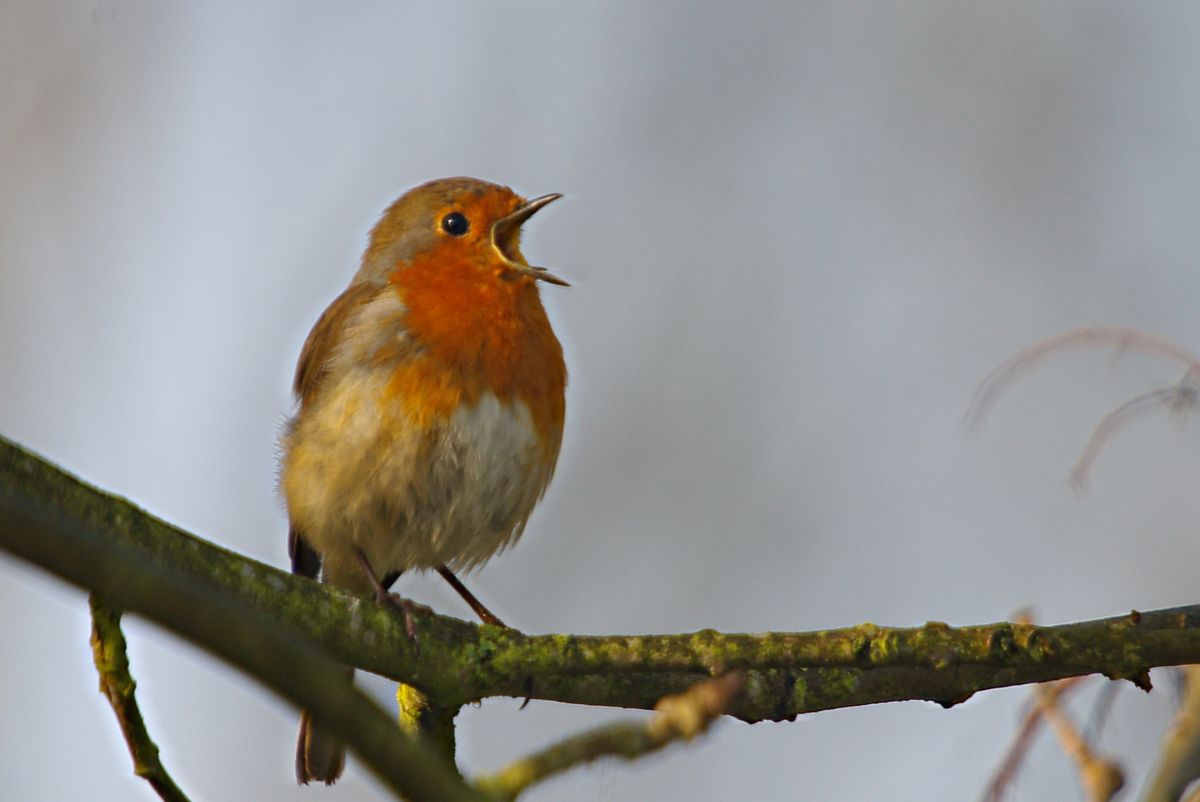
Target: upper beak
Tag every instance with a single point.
(505, 230)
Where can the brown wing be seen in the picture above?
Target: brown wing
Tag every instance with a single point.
(310, 372)
(318, 348)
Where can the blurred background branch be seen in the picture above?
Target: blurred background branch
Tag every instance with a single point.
(1101, 777)
(679, 717)
(1179, 756)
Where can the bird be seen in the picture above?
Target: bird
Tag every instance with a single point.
(431, 400)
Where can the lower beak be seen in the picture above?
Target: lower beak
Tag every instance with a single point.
(541, 274)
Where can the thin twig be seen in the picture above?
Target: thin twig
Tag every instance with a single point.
(1100, 711)
(679, 717)
(1182, 396)
(1179, 757)
(1102, 778)
(118, 686)
(1178, 397)
(1026, 359)
(1015, 755)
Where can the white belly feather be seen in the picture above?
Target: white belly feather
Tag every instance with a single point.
(362, 478)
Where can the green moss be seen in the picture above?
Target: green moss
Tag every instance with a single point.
(838, 683)
(800, 700)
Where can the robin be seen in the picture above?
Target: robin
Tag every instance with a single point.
(431, 411)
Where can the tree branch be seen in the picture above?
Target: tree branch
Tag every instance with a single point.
(98, 542)
(421, 715)
(268, 622)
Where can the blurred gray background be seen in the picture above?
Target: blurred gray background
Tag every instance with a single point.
(798, 237)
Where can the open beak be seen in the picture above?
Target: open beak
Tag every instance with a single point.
(506, 231)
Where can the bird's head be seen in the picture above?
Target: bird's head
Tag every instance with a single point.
(458, 219)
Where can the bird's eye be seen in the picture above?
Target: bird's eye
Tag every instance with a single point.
(455, 224)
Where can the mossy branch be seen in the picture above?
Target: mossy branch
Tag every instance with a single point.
(226, 602)
(118, 686)
(138, 564)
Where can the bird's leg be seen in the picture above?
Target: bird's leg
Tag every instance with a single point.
(485, 615)
(383, 597)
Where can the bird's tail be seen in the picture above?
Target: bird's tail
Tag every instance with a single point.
(320, 756)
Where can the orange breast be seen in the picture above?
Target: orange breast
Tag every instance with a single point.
(478, 331)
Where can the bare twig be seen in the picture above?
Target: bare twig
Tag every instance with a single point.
(1179, 758)
(1026, 359)
(1102, 778)
(1101, 708)
(1181, 397)
(118, 686)
(1015, 755)
(679, 717)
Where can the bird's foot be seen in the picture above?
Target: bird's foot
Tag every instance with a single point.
(383, 598)
(408, 607)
